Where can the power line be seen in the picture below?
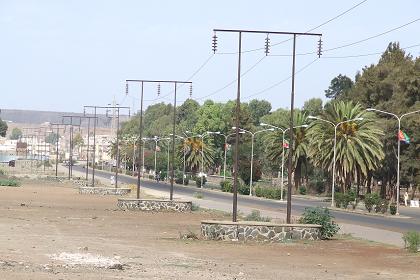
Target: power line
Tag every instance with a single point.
(282, 81)
(232, 82)
(367, 54)
(312, 29)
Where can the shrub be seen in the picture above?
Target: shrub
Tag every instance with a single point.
(338, 199)
(382, 206)
(302, 190)
(393, 209)
(412, 241)
(320, 216)
(195, 207)
(342, 200)
(198, 195)
(198, 181)
(256, 216)
(9, 183)
(269, 192)
(226, 186)
(371, 199)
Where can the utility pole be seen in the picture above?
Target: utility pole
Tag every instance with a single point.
(71, 144)
(57, 126)
(238, 101)
(175, 83)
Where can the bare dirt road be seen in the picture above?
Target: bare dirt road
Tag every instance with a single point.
(49, 231)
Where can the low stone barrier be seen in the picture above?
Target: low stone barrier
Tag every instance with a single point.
(258, 231)
(104, 191)
(154, 205)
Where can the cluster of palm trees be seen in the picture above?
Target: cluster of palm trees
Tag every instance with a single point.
(345, 139)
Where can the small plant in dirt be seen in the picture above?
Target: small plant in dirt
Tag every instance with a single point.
(302, 190)
(393, 209)
(382, 206)
(412, 241)
(320, 216)
(189, 235)
(195, 207)
(198, 195)
(9, 183)
(256, 216)
(371, 199)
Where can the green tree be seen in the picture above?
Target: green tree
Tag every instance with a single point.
(52, 138)
(358, 148)
(3, 128)
(339, 87)
(258, 109)
(313, 107)
(193, 156)
(16, 133)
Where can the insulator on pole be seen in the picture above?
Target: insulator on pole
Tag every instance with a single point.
(126, 88)
(267, 45)
(191, 90)
(319, 47)
(214, 44)
(158, 89)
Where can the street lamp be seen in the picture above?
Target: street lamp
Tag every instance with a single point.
(398, 144)
(282, 157)
(335, 143)
(252, 151)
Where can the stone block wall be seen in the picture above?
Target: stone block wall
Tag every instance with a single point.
(104, 191)
(258, 231)
(154, 205)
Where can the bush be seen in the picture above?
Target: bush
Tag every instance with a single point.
(198, 181)
(342, 200)
(9, 183)
(256, 216)
(393, 209)
(371, 199)
(302, 190)
(382, 206)
(320, 216)
(271, 193)
(226, 186)
(412, 241)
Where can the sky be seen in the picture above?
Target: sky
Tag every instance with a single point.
(60, 55)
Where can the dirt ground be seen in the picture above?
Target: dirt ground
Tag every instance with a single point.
(49, 231)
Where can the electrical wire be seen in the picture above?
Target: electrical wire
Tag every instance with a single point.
(366, 54)
(232, 82)
(312, 29)
(282, 81)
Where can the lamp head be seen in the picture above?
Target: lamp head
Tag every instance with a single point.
(359, 119)
(312, 117)
(233, 127)
(305, 125)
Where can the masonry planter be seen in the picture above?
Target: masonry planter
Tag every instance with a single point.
(258, 231)
(155, 205)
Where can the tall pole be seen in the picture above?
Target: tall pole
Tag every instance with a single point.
(118, 148)
(224, 161)
(167, 166)
(95, 120)
(282, 169)
(45, 149)
(87, 151)
(183, 171)
(56, 153)
(252, 163)
(237, 122)
(156, 145)
(171, 192)
(333, 178)
(398, 166)
(134, 158)
(292, 101)
(202, 159)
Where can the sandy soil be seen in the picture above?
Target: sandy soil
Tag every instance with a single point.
(49, 231)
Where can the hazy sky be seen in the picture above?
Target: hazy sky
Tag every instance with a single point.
(61, 55)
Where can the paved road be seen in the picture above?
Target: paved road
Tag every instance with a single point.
(298, 205)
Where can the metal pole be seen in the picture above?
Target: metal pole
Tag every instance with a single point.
(167, 166)
(56, 154)
(118, 148)
(289, 181)
(202, 160)
(282, 169)
(224, 162)
(171, 192)
(156, 144)
(45, 150)
(252, 162)
(183, 172)
(87, 151)
(141, 147)
(333, 178)
(94, 149)
(70, 159)
(134, 158)
(398, 167)
(236, 156)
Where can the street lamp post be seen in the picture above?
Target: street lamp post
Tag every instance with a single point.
(335, 143)
(252, 151)
(398, 149)
(282, 157)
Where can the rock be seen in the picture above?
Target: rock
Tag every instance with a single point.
(116, 266)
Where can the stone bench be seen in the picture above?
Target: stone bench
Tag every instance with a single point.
(156, 205)
(258, 231)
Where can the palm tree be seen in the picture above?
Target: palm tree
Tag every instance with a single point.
(300, 148)
(193, 147)
(358, 148)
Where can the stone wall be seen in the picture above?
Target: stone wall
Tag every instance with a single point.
(104, 191)
(154, 205)
(258, 231)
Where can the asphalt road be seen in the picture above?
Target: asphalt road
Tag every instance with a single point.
(398, 224)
